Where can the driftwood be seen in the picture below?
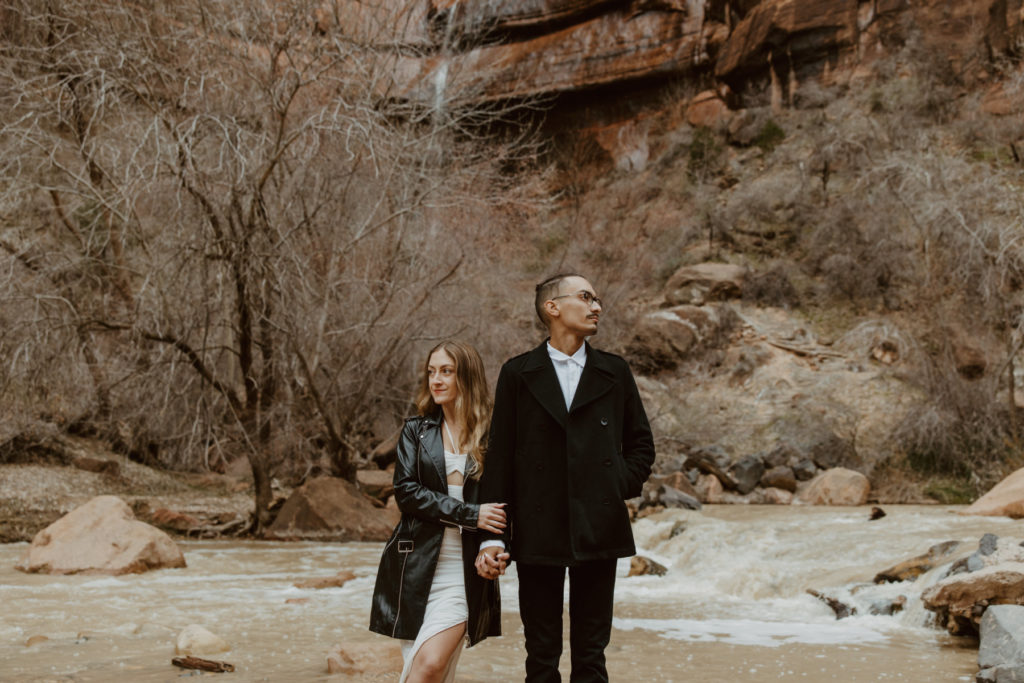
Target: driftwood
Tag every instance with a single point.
(190, 662)
(841, 609)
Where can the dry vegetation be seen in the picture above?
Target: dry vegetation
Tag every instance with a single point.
(223, 234)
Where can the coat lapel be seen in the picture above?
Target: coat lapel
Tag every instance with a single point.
(596, 380)
(433, 447)
(539, 376)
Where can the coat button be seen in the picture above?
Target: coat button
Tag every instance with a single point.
(606, 502)
(539, 467)
(537, 507)
(607, 463)
(604, 421)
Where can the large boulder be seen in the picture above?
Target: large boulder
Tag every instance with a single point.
(1006, 499)
(705, 282)
(1001, 650)
(331, 509)
(960, 600)
(837, 486)
(100, 537)
(746, 472)
(376, 483)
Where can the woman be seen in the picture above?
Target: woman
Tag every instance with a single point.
(428, 591)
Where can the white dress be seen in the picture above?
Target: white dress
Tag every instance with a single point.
(446, 603)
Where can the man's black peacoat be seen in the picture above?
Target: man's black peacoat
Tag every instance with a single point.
(410, 555)
(565, 473)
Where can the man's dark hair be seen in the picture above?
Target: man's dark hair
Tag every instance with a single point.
(547, 289)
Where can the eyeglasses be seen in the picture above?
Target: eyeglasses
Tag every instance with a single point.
(589, 298)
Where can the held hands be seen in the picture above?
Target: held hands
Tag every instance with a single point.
(492, 517)
(490, 562)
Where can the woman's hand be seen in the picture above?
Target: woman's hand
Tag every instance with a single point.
(491, 562)
(491, 517)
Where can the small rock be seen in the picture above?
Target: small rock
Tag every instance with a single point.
(98, 465)
(296, 601)
(780, 477)
(366, 657)
(175, 521)
(804, 469)
(746, 472)
(776, 496)
(709, 489)
(876, 513)
(712, 460)
(640, 565)
(196, 640)
(841, 609)
(341, 663)
(888, 607)
(336, 581)
(35, 640)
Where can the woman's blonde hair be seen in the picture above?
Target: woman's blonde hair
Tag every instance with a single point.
(472, 403)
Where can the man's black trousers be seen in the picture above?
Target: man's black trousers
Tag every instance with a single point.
(591, 596)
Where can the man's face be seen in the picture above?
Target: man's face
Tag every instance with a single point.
(575, 313)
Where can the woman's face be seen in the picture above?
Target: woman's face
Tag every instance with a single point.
(441, 377)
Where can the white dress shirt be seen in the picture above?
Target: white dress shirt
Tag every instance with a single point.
(568, 369)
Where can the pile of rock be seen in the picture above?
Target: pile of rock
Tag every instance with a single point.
(981, 594)
(779, 476)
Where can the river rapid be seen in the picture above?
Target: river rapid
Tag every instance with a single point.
(733, 606)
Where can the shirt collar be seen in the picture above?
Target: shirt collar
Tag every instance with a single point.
(579, 358)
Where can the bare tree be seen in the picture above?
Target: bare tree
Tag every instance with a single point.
(235, 220)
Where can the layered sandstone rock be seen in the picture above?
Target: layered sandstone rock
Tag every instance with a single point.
(539, 48)
(101, 537)
(959, 601)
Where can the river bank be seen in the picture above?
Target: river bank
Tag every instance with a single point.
(733, 606)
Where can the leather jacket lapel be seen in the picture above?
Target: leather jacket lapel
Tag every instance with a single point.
(433, 448)
(539, 376)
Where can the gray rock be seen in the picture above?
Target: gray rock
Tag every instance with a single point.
(804, 469)
(1000, 674)
(674, 498)
(888, 607)
(828, 451)
(780, 477)
(988, 544)
(747, 473)
(783, 454)
(1002, 641)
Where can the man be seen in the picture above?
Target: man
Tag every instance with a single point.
(569, 442)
